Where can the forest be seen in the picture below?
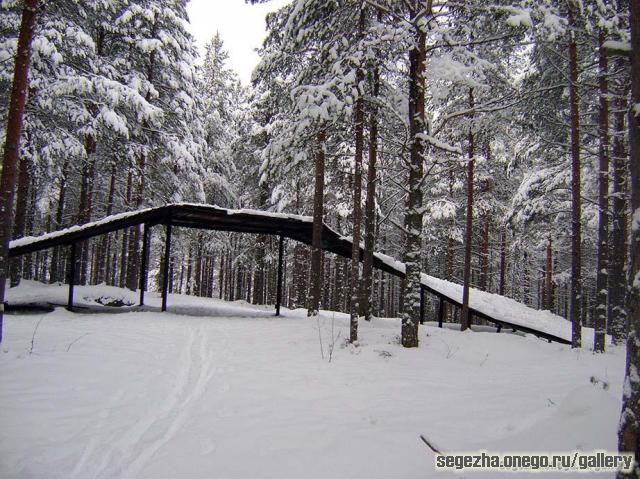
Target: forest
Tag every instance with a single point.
(488, 143)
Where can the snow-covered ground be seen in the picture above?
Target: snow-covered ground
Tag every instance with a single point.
(225, 390)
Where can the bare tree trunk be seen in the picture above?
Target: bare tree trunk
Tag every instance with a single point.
(484, 254)
(318, 214)
(197, 280)
(85, 202)
(526, 285)
(259, 275)
(600, 329)
(125, 235)
(221, 275)
(548, 303)
(105, 244)
(12, 140)
(414, 214)
(55, 271)
(629, 430)
(370, 211)
(617, 285)
(468, 243)
(20, 216)
(503, 260)
(576, 209)
(357, 201)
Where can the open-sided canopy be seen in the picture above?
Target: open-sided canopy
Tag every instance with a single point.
(499, 310)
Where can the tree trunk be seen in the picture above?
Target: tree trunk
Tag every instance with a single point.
(318, 214)
(468, 243)
(629, 430)
(484, 254)
(370, 204)
(12, 139)
(548, 299)
(503, 260)
(20, 216)
(600, 329)
(105, 245)
(413, 218)
(576, 203)
(85, 202)
(357, 201)
(617, 285)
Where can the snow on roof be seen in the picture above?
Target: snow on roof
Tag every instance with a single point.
(55, 234)
(495, 306)
(502, 308)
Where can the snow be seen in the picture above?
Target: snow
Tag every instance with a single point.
(520, 17)
(617, 45)
(216, 389)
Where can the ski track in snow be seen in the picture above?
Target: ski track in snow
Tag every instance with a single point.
(129, 454)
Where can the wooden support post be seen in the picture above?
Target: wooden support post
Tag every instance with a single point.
(144, 266)
(440, 312)
(421, 305)
(72, 275)
(279, 284)
(165, 273)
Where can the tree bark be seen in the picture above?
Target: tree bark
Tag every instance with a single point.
(600, 329)
(465, 320)
(357, 201)
(503, 260)
(105, 245)
(318, 214)
(617, 285)
(12, 140)
(576, 203)
(629, 430)
(370, 211)
(20, 216)
(548, 299)
(413, 219)
(484, 254)
(85, 202)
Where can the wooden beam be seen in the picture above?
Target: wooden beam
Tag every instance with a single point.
(165, 273)
(279, 284)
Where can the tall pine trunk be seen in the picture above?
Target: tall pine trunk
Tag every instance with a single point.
(20, 216)
(413, 218)
(318, 213)
(465, 320)
(56, 271)
(576, 203)
(85, 202)
(354, 306)
(548, 270)
(600, 329)
(617, 285)
(629, 430)
(12, 140)
(370, 211)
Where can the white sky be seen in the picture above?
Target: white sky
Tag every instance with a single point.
(241, 26)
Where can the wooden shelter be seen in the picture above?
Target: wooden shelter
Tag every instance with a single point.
(209, 217)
